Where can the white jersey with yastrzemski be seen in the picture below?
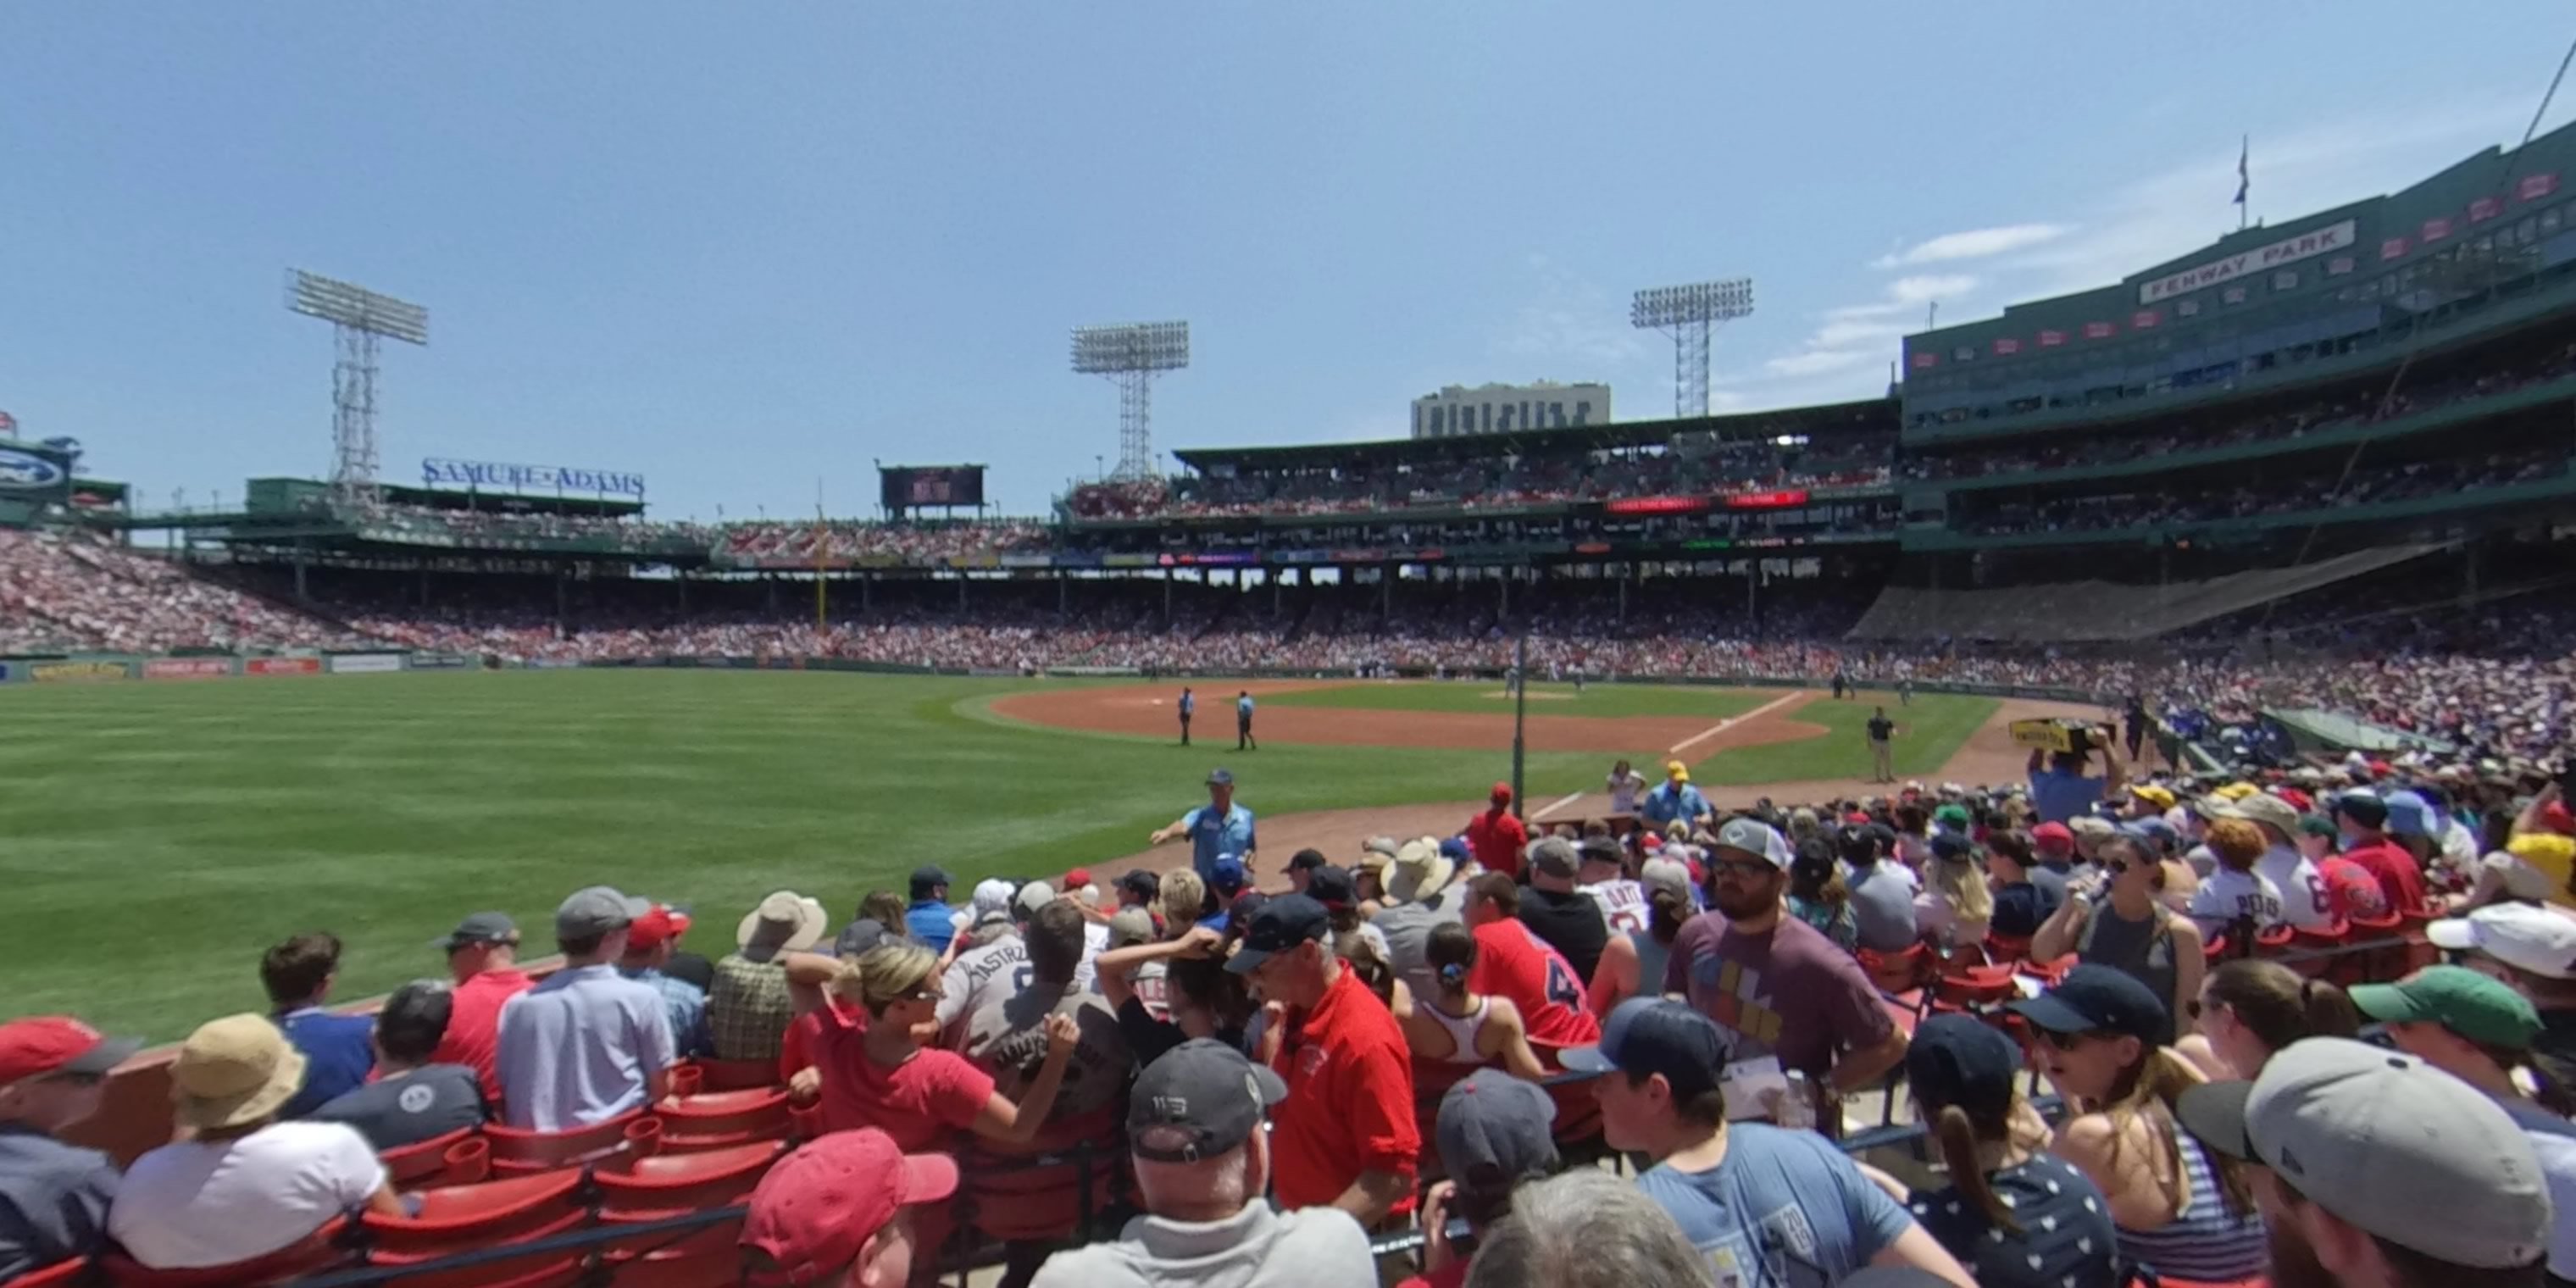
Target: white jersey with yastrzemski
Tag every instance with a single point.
(1623, 904)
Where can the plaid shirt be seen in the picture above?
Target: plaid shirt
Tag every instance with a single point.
(749, 1009)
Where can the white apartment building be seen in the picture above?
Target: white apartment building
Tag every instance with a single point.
(1499, 409)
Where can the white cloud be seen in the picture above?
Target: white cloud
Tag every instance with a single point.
(1917, 290)
(1975, 243)
(1853, 312)
(1817, 362)
(1573, 328)
(1837, 334)
(2181, 209)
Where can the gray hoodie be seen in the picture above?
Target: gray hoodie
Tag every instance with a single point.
(1257, 1248)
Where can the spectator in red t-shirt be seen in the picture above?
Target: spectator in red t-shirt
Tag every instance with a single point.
(879, 1074)
(1346, 1134)
(1513, 962)
(1496, 837)
(2362, 816)
(483, 961)
(2351, 890)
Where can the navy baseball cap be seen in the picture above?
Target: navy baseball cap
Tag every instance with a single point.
(1141, 883)
(2157, 833)
(1226, 876)
(1220, 778)
(1455, 850)
(1306, 860)
(1964, 1061)
(929, 877)
(1647, 1035)
(2096, 999)
(1494, 1131)
(1333, 887)
(1279, 926)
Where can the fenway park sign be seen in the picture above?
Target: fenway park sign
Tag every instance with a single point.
(2288, 250)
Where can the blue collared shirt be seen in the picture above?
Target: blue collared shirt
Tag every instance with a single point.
(683, 1003)
(337, 1055)
(53, 1200)
(1212, 834)
(1664, 804)
(580, 1048)
(1243, 707)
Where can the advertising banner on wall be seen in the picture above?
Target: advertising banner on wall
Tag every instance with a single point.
(440, 661)
(77, 672)
(188, 668)
(366, 663)
(283, 666)
(493, 476)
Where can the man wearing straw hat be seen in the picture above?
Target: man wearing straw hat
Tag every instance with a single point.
(748, 1004)
(246, 1184)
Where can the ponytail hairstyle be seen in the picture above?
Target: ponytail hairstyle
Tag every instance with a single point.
(1666, 912)
(2156, 1081)
(884, 974)
(1451, 955)
(1958, 1135)
(2278, 1005)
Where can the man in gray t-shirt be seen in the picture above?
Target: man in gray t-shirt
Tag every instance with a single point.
(1408, 926)
(1882, 892)
(411, 1099)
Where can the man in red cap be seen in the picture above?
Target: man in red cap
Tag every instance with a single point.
(649, 942)
(1496, 837)
(831, 1215)
(53, 1197)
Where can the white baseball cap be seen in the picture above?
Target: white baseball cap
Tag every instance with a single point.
(2521, 935)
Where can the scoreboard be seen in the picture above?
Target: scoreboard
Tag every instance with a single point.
(906, 487)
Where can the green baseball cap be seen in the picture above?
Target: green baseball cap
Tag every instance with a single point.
(2475, 1006)
(1954, 817)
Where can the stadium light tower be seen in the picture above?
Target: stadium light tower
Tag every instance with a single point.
(1690, 313)
(1132, 355)
(358, 316)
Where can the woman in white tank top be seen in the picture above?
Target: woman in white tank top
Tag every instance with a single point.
(1454, 1026)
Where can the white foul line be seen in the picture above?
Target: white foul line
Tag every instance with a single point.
(1557, 806)
(1731, 721)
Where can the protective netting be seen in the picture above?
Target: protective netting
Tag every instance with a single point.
(2055, 612)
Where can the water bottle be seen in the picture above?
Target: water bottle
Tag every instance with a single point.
(1796, 1109)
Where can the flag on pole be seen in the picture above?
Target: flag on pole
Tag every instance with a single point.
(2244, 150)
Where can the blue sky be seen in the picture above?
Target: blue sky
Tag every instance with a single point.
(742, 248)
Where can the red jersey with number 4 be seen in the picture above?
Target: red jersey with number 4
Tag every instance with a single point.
(1513, 964)
(2401, 879)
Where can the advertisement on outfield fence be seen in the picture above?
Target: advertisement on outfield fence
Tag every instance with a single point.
(366, 663)
(77, 672)
(283, 666)
(188, 668)
(440, 661)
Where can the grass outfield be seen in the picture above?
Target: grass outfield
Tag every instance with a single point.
(1928, 733)
(1487, 697)
(155, 838)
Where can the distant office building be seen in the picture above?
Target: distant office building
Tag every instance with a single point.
(1501, 409)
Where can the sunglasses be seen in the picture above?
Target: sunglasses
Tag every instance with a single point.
(2067, 1041)
(1749, 869)
(76, 1079)
(925, 993)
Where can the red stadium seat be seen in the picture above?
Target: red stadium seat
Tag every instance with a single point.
(1578, 1109)
(2388, 957)
(319, 1250)
(61, 1274)
(462, 1218)
(2003, 950)
(671, 1185)
(1897, 972)
(518, 1153)
(2052, 973)
(1048, 1188)
(460, 1157)
(718, 1119)
(730, 1075)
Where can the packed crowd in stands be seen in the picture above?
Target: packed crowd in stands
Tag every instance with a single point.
(62, 591)
(634, 533)
(2370, 485)
(794, 543)
(1633, 1050)
(2220, 429)
(1490, 482)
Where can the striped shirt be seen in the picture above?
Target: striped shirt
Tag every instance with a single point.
(2206, 1243)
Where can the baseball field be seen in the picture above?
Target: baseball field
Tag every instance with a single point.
(154, 838)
